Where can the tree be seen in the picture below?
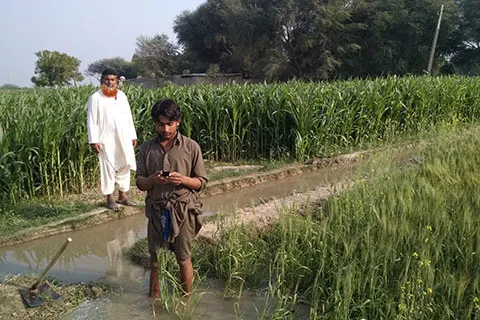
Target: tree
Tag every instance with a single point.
(396, 36)
(155, 56)
(314, 36)
(201, 33)
(325, 39)
(189, 62)
(124, 68)
(231, 34)
(54, 68)
(272, 39)
(466, 57)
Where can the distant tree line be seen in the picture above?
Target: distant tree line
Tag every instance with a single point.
(9, 86)
(312, 39)
(304, 39)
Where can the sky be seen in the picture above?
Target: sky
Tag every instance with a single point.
(89, 30)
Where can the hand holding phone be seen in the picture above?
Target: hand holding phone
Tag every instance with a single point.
(165, 173)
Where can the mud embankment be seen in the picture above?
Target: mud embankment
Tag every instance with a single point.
(103, 215)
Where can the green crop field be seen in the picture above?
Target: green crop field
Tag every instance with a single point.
(44, 150)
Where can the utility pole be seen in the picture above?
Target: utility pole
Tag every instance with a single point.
(434, 44)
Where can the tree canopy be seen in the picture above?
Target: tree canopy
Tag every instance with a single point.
(312, 40)
(466, 56)
(325, 39)
(54, 68)
(120, 65)
(155, 56)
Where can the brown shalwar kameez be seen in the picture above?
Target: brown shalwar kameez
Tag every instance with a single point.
(182, 203)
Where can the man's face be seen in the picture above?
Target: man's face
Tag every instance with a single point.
(110, 81)
(166, 128)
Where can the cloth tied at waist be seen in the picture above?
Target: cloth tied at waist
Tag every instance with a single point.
(172, 213)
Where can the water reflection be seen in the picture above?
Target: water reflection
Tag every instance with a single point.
(93, 254)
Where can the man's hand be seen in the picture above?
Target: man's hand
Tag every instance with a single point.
(148, 183)
(157, 178)
(96, 147)
(175, 178)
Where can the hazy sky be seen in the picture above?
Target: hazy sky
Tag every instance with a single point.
(89, 30)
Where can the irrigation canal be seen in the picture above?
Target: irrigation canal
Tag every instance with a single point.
(96, 254)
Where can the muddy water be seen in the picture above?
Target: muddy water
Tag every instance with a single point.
(96, 254)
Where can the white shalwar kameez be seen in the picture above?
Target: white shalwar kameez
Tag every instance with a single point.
(110, 123)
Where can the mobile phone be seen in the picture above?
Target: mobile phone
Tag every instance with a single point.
(165, 173)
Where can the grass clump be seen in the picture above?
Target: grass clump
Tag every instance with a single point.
(401, 244)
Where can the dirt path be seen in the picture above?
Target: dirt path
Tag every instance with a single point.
(268, 212)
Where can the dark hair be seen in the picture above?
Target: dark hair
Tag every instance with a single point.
(167, 108)
(109, 72)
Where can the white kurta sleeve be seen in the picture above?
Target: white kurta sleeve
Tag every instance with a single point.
(133, 133)
(92, 121)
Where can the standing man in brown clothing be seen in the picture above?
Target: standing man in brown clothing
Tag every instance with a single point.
(170, 168)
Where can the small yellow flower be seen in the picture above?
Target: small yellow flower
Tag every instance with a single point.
(425, 262)
(415, 255)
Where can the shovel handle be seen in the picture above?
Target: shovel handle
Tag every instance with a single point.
(52, 262)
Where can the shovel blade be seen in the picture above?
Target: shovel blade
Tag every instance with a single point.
(43, 294)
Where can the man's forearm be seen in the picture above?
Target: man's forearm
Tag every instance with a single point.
(192, 183)
(145, 183)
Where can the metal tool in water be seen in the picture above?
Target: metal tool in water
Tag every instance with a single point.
(39, 294)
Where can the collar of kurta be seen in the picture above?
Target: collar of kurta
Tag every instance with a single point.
(178, 139)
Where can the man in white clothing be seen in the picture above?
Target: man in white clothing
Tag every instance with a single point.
(111, 133)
